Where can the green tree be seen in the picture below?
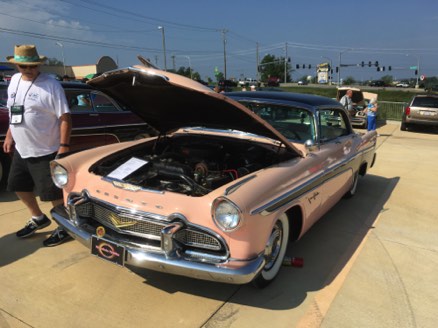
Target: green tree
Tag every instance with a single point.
(271, 66)
(387, 79)
(349, 80)
(54, 62)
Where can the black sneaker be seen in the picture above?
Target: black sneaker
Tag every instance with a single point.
(32, 226)
(56, 238)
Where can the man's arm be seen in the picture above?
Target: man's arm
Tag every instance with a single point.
(8, 144)
(65, 132)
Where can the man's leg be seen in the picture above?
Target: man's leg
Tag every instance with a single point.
(29, 199)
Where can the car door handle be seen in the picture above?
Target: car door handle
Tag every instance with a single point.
(94, 114)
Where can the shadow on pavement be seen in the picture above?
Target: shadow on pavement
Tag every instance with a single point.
(326, 248)
(14, 249)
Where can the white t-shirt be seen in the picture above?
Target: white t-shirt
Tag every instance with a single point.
(38, 134)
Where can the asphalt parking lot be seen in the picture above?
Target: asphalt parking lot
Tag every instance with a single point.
(372, 261)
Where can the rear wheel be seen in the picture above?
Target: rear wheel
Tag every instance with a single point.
(274, 252)
(403, 126)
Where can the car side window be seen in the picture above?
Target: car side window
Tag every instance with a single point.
(79, 101)
(103, 104)
(332, 124)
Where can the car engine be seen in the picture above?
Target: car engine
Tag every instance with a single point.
(192, 165)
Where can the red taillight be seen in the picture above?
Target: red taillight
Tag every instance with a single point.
(408, 111)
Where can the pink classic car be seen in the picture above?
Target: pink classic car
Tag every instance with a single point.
(219, 193)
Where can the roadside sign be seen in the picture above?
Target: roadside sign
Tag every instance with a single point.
(413, 67)
(422, 77)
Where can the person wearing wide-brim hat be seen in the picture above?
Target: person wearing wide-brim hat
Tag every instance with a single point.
(39, 129)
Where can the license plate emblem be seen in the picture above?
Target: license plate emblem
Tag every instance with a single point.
(108, 250)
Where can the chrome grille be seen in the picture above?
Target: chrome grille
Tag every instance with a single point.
(197, 239)
(144, 226)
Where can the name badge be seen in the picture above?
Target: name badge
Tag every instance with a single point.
(17, 114)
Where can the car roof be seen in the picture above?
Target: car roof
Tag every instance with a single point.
(308, 101)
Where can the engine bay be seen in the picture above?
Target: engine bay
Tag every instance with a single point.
(192, 165)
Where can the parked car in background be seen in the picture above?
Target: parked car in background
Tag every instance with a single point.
(422, 110)
(273, 81)
(229, 181)
(97, 120)
(224, 84)
(302, 82)
(402, 85)
(360, 100)
(377, 83)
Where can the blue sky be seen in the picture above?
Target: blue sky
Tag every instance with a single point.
(397, 33)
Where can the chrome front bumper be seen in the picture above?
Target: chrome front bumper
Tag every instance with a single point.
(232, 272)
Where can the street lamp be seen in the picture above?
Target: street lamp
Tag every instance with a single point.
(164, 46)
(62, 53)
(190, 67)
(339, 68)
(330, 70)
(418, 69)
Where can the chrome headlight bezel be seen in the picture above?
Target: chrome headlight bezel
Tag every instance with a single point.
(59, 174)
(226, 215)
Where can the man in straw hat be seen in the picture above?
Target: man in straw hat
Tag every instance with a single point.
(39, 129)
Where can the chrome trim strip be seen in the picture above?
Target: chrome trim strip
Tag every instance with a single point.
(237, 185)
(283, 200)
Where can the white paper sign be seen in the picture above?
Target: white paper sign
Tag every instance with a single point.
(127, 168)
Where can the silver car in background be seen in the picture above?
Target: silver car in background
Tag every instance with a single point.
(422, 110)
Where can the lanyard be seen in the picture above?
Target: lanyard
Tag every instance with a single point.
(25, 95)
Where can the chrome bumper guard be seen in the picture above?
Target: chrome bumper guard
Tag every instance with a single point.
(244, 273)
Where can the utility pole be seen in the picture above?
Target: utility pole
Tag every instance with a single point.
(285, 64)
(257, 62)
(225, 52)
(173, 62)
(164, 45)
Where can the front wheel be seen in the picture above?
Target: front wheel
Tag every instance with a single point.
(274, 252)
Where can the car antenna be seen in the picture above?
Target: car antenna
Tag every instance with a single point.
(146, 62)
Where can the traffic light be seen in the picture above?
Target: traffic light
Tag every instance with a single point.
(389, 68)
(416, 72)
(369, 64)
(362, 64)
(304, 66)
(297, 66)
(310, 66)
(376, 63)
(337, 69)
(378, 69)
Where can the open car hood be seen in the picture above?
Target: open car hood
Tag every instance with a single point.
(169, 101)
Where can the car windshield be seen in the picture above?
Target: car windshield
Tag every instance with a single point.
(296, 124)
(425, 102)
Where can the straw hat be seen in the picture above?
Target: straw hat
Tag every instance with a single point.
(26, 54)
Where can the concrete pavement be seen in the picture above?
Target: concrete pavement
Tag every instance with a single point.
(370, 262)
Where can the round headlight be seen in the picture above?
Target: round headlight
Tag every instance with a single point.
(226, 214)
(59, 176)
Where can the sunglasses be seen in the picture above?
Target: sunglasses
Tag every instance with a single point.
(27, 66)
